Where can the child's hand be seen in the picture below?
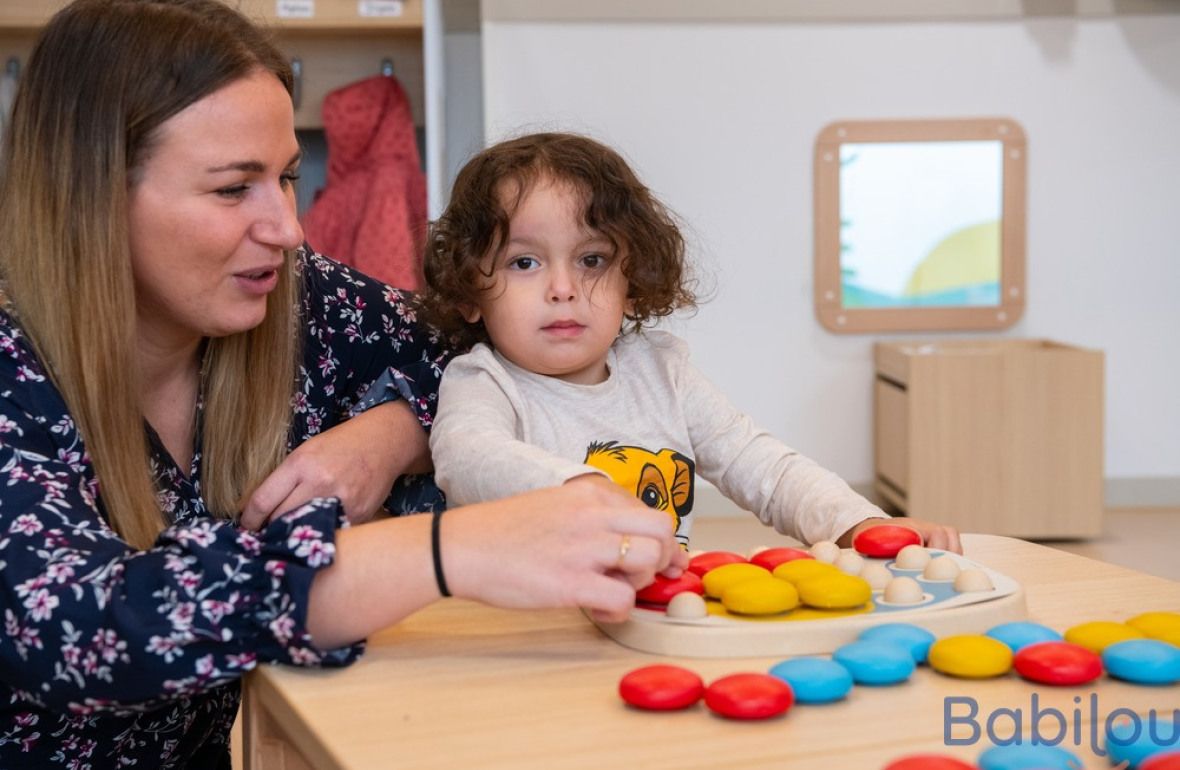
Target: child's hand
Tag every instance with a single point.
(940, 536)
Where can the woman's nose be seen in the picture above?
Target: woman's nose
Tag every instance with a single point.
(278, 225)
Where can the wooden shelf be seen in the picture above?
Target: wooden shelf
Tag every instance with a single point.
(335, 46)
(329, 15)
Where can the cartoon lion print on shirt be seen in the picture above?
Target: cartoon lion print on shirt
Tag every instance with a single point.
(662, 480)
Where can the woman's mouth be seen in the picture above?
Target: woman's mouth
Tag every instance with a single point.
(258, 281)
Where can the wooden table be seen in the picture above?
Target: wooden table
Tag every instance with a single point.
(460, 685)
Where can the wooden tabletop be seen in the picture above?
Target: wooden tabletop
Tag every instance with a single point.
(460, 685)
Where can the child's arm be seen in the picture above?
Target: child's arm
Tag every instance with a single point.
(786, 490)
(476, 446)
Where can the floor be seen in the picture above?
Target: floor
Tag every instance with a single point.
(1146, 539)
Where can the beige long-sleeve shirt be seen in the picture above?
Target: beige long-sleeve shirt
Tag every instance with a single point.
(656, 420)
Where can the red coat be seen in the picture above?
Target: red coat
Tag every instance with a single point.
(371, 214)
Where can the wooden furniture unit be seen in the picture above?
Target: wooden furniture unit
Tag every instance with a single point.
(999, 436)
(463, 685)
(336, 46)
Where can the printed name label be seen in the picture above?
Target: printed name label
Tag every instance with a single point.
(295, 9)
(383, 8)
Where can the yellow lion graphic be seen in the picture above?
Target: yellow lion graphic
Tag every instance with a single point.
(663, 480)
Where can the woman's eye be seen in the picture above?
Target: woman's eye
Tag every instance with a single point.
(288, 179)
(233, 191)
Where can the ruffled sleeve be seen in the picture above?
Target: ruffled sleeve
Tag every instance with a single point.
(92, 624)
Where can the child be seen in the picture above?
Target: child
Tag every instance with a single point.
(546, 266)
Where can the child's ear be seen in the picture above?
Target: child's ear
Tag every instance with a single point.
(629, 309)
(470, 313)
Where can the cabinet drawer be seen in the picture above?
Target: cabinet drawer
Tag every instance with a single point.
(891, 445)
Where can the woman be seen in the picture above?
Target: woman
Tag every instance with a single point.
(191, 403)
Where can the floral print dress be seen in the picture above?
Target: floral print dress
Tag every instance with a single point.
(113, 657)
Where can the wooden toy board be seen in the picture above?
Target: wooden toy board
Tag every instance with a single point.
(807, 631)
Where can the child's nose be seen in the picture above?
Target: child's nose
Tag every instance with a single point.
(561, 285)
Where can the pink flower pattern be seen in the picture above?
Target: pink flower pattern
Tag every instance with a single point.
(113, 657)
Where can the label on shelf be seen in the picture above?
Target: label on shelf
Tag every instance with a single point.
(295, 9)
(380, 8)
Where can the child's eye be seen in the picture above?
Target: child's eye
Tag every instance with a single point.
(594, 261)
(523, 263)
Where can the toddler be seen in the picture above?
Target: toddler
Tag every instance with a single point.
(547, 266)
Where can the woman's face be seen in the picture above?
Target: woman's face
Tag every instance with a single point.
(211, 210)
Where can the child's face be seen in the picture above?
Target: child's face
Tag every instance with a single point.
(557, 296)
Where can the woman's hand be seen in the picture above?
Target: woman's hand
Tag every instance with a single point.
(939, 536)
(584, 544)
(356, 461)
(557, 547)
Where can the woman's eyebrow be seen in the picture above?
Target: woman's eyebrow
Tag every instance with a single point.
(252, 166)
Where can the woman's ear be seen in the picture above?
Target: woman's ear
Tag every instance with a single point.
(470, 313)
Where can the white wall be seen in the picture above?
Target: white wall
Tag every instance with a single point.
(720, 120)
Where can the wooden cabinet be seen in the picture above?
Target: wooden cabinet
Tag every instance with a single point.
(1000, 436)
(339, 42)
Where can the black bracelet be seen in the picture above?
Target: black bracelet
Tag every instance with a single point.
(439, 577)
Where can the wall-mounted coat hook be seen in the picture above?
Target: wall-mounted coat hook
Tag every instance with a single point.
(387, 67)
(297, 86)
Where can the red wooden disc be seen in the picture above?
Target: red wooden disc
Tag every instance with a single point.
(749, 696)
(1167, 761)
(928, 762)
(1060, 663)
(663, 589)
(661, 688)
(772, 557)
(885, 540)
(702, 563)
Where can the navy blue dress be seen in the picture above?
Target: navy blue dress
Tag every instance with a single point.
(113, 657)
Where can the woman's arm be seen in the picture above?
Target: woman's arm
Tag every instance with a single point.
(92, 624)
(356, 461)
(557, 547)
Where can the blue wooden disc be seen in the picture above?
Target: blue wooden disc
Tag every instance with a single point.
(1134, 740)
(814, 680)
(1021, 634)
(1028, 758)
(914, 638)
(875, 662)
(1143, 661)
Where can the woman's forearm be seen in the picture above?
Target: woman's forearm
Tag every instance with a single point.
(382, 573)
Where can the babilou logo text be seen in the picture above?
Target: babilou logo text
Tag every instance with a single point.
(1084, 725)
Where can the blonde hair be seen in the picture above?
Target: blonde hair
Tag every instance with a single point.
(102, 79)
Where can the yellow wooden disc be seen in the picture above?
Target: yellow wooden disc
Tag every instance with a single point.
(970, 656)
(835, 591)
(1100, 634)
(718, 579)
(760, 596)
(803, 569)
(1164, 626)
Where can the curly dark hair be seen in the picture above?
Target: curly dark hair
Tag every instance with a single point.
(617, 204)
